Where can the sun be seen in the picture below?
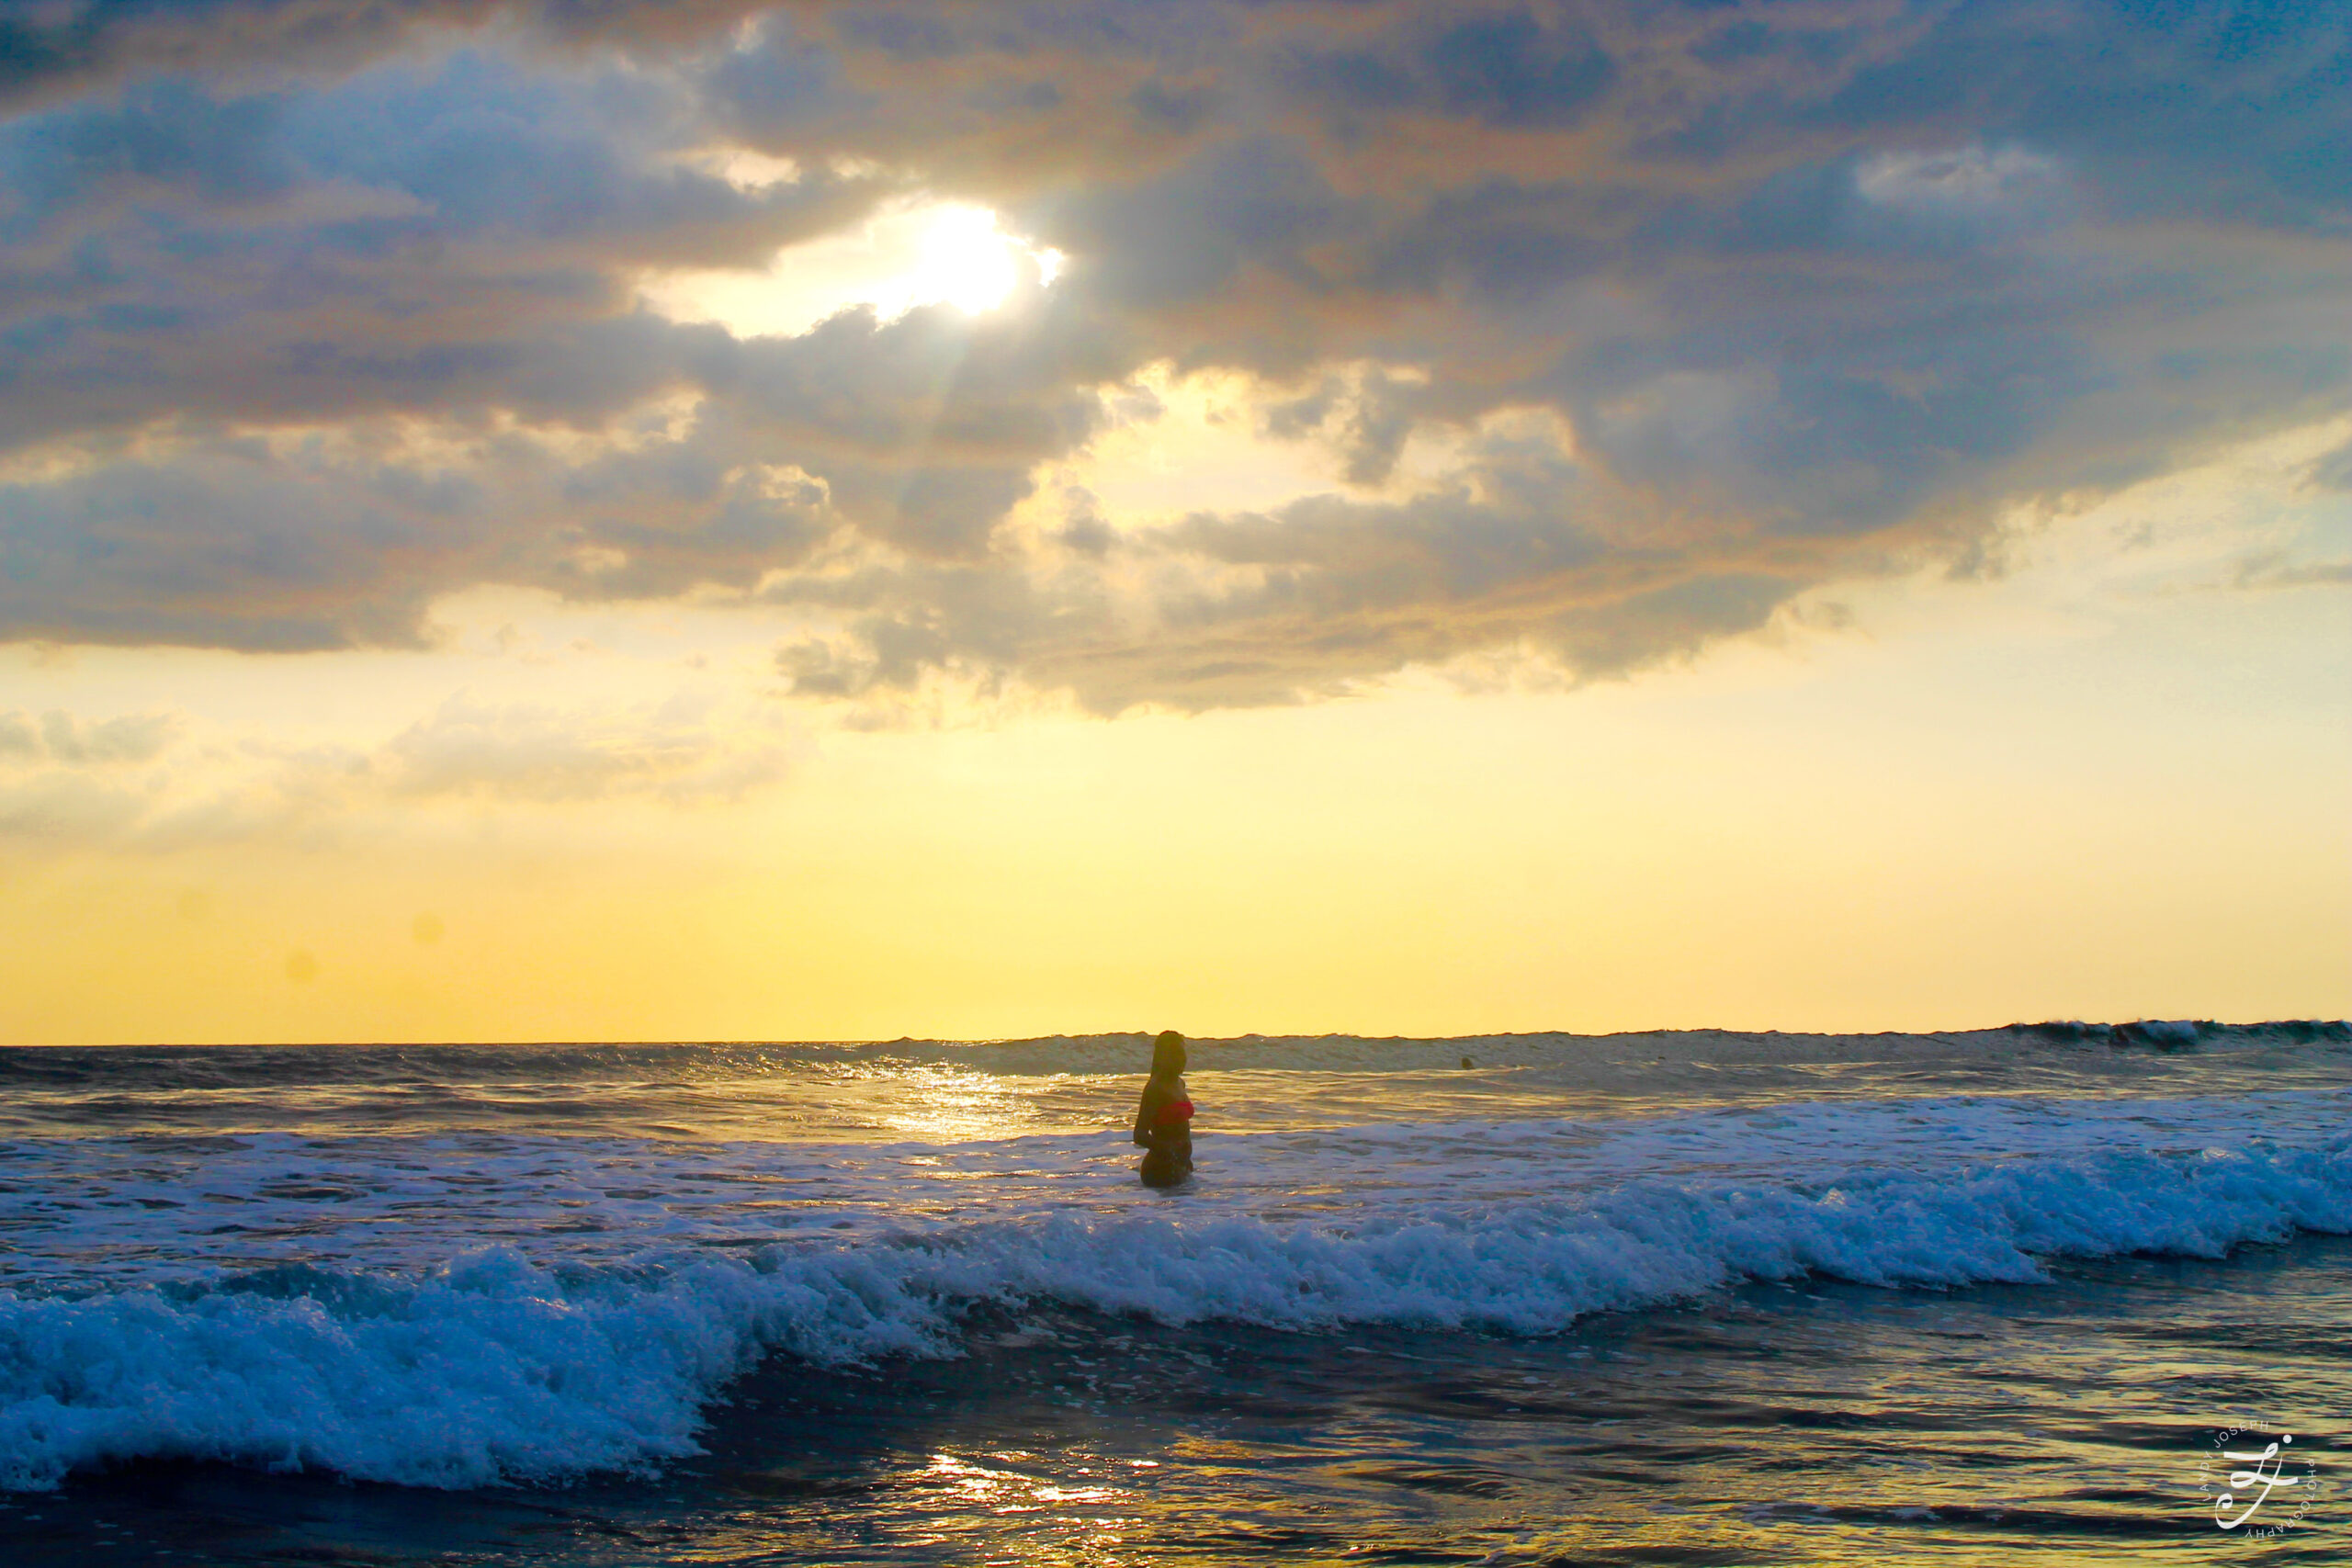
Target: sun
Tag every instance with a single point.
(923, 252)
(963, 257)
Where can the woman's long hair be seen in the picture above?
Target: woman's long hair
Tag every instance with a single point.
(1168, 1054)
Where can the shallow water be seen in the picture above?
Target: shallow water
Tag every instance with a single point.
(1648, 1299)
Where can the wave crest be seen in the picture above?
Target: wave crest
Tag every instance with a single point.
(494, 1369)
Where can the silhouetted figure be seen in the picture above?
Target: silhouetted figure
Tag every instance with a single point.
(1164, 1118)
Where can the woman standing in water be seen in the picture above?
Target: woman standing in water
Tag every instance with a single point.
(1164, 1119)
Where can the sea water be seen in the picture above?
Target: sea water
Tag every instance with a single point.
(1693, 1297)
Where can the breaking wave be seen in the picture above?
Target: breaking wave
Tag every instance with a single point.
(494, 1367)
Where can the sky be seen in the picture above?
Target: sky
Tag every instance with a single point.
(595, 519)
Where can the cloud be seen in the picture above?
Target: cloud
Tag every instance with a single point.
(61, 776)
(52, 47)
(2273, 570)
(56, 810)
(226, 547)
(2333, 470)
(134, 737)
(343, 535)
(160, 783)
(1768, 298)
(673, 752)
(1503, 66)
(62, 737)
(432, 237)
(1510, 549)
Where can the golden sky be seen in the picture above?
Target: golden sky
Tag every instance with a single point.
(1348, 519)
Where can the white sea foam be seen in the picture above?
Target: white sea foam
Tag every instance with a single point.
(575, 1349)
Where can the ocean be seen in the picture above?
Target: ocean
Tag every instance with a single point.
(2005, 1295)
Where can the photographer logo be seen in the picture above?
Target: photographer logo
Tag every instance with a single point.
(2255, 1480)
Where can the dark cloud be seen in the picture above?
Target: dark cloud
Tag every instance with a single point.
(1786, 294)
(2234, 112)
(1004, 385)
(49, 48)
(424, 239)
(1506, 67)
(228, 547)
(1250, 609)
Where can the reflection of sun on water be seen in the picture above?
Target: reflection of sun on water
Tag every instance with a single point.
(1010, 1491)
(940, 1104)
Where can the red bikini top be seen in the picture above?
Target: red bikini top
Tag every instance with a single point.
(1176, 1111)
